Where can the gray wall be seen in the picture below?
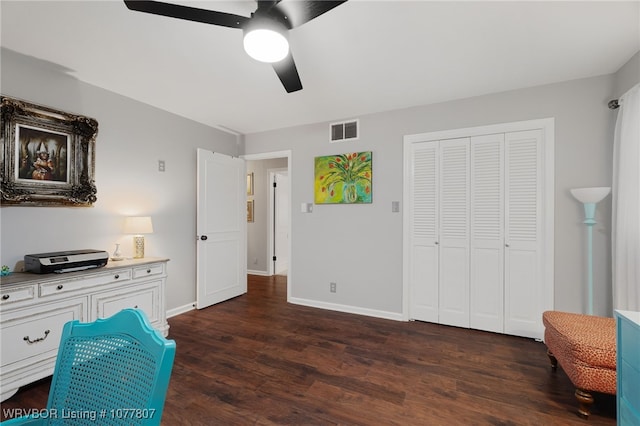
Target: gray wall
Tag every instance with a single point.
(132, 138)
(360, 246)
(627, 76)
(258, 231)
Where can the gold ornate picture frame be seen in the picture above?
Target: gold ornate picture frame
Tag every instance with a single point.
(48, 156)
(250, 183)
(249, 210)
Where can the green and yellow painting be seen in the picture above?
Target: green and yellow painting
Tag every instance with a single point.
(343, 178)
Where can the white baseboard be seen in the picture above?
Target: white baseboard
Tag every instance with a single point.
(261, 273)
(314, 304)
(181, 309)
(396, 316)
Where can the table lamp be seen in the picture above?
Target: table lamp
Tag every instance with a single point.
(138, 225)
(590, 197)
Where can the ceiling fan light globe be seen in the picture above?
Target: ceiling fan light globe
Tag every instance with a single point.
(266, 45)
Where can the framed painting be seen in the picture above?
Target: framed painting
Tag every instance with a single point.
(249, 210)
(48, 156)
(250, 183)
(343, 178)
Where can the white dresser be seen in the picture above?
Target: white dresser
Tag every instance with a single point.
(34, 308)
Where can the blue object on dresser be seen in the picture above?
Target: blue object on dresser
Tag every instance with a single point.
(628, 367)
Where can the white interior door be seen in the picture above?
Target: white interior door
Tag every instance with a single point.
(524, 281)
(281, 222)
(454, 232)
(221, 228)
(423, 231)
(486, 298)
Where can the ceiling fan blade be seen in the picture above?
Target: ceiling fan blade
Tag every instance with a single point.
(187, 13)
(266, 5)
(288, 74)
(299, 12)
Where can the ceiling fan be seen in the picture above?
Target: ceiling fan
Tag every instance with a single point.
(265, 32)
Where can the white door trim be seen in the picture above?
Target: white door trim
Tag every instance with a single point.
(268, 156)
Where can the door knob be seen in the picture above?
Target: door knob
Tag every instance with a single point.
(203, 237)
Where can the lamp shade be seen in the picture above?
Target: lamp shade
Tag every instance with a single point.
(590, 195)
(138, 225)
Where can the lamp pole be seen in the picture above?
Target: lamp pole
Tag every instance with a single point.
(589, 214)
(589, 197)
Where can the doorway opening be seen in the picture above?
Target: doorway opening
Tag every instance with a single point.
(269, 236)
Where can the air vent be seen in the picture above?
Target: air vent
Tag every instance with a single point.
(345, 131)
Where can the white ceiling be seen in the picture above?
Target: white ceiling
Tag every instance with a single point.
(361, 57)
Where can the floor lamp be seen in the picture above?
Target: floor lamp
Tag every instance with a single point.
(590, 197)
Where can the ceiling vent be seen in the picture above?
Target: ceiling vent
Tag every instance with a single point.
(344, 131)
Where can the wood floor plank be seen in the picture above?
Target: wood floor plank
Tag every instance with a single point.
(258, 360)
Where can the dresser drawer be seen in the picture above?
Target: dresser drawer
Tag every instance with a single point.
(63, 286)
(35, 334)
(16, 294)
(145, 297)
(630, 385)
(148, 270)
(627, 416)
(630, 347)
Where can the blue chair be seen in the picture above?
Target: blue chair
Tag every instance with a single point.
(113, 371)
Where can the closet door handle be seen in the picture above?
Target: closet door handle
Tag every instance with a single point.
(436, 243)
(506, 245)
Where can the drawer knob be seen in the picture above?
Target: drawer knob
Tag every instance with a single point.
(38, 339)
(60, 287)
(116, 276)
(148, 271)
(5, 297)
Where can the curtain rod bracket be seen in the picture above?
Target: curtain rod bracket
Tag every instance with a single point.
(613, 104)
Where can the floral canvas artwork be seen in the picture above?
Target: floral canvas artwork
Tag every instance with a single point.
(343, 178)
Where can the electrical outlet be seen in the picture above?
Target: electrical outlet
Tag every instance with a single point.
(161, 165)
(332, 287)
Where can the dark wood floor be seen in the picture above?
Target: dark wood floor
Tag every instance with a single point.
(256, 360)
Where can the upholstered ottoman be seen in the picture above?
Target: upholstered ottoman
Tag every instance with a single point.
(585, 347)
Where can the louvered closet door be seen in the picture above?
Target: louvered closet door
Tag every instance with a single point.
(454, 232)
(523, 233)
(423, 226)
(487, 233)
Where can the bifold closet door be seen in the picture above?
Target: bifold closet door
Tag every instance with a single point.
(454, 232)
(423, 232)
(480, 227)
(439, 229)
(524, 298)
(486, 302)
